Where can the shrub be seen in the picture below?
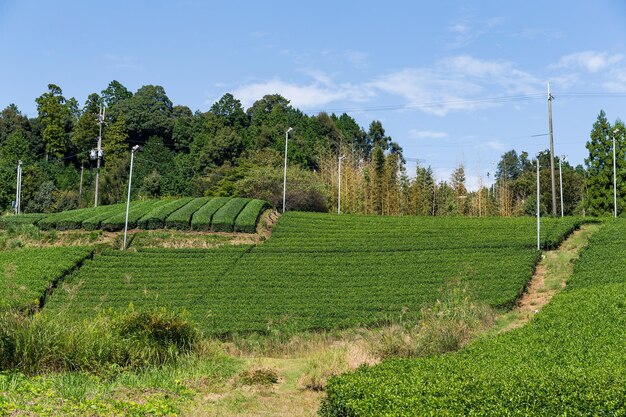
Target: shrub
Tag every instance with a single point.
(202, 218)
(246, 220)
(94, 222)
(181, 218)
(224, 219)
(129, 340)
(137, 210)
(155, 219)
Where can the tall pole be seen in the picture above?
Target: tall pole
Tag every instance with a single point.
(130, 179)
(551, 152)
(18, 188)
(80, 187)
(99, 153)
(561, 183)
(339, 188)
(285, 171)
(614, 178)
(538, 210)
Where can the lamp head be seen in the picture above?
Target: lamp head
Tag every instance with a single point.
(135, 148)
(290, 129)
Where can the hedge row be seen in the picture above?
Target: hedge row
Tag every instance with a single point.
(155, 218)
(247, 220)
(7, 222)
(224, 219)
(202, 218)
(205, 213)
(181, 218)
(137, 211)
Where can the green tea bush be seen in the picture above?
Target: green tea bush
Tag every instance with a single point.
(569, 360)
(247, 220)
(224, 219)
(155, 218)
(202, 218)
(181, 218)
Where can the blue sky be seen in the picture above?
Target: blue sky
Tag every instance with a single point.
(428, 70)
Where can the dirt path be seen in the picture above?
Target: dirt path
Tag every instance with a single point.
(288, 397)
(550, 277)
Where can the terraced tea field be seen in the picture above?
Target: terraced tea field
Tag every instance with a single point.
(220, 214)
(569, 360)
(318, 271)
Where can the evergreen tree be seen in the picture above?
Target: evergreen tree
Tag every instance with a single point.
(599, 164)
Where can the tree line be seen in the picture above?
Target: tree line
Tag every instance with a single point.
(230, 150)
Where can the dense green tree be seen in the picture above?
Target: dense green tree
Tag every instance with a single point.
(147, 113)
(599, 164)
(12, 121)
(115, 93)
(85, 134)
(56, 117)
(377, 137)
(229, 109)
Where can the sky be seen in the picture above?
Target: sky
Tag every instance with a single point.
(453, 82)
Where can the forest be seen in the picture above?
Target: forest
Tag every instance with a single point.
(233, 151)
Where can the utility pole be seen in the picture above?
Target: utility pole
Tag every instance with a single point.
(18, 188)
(130, 180)
(551, 152)
(562, 158)
(285, 172)
(80, 187)
(99, 152)
(339, 187)
(615, 132)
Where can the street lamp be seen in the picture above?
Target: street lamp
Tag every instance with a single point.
(538, 210)
(339, 187)
(130, 179)
(285, 173)
(615, 132)
(562, 158)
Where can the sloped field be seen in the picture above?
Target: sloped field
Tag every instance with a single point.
(320, 271)
(569, 360)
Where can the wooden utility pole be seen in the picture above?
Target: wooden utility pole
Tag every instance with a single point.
(551, 152)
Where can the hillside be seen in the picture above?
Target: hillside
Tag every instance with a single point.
(569, 360)
(317, 271)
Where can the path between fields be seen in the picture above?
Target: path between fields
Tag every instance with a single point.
(288, 398)
(550, 277)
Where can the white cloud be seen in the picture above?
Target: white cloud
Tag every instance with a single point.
(308, 96)
(122, 61)
(592, 61)
(496, 145)
(455, 83)
(616, 82)
(426, 134)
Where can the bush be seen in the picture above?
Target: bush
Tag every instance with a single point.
(202, 218)
(246, 220)
(137, 210)
(181, 218)
(129, 340)
(155, 219)
(224, 219)
(94, 222)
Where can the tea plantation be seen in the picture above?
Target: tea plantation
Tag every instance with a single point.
(317, 271)
(569, 361)
(220, 214)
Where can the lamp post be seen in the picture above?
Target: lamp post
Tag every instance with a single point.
(615, 132)
(130, 179)
(538, 210)
(285, 173)
(339, 187)
(562, 158)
